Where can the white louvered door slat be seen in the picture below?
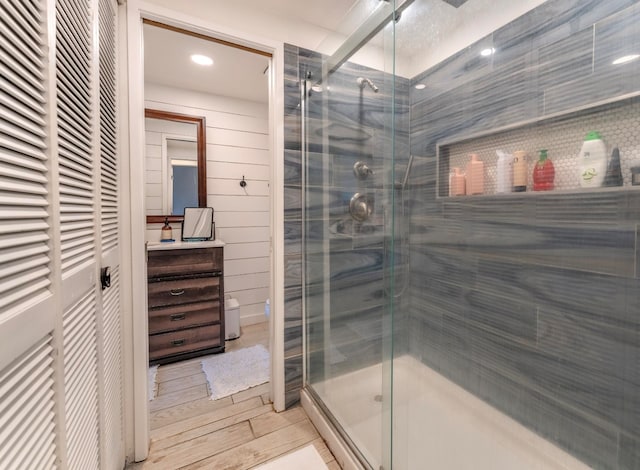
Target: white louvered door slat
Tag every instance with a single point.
(76, 138)
(75, 133)
(60, 363)
(80, 372)
(27, 417)
(24, 251)
(111, 330)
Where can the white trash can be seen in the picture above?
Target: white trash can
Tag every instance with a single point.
(231, 319)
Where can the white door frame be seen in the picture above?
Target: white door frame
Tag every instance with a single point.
(136, 401)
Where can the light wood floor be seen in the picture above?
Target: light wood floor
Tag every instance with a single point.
(238, 432)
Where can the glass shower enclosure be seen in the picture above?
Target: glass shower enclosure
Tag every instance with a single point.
(348, 244)
(469, 174)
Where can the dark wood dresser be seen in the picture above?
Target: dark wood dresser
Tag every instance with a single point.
(186, 306)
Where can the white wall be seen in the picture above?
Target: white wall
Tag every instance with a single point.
(237, 146)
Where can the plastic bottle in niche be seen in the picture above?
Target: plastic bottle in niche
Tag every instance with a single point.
(456, 183)
(519, 171)
(614, 171)
(475, 175)
(543, 173)
(635, 173)
(504, 172)
(592, 165)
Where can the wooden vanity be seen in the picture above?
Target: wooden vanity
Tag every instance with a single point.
(186, 300)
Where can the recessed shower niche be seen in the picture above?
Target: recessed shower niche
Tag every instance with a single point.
(561, 135)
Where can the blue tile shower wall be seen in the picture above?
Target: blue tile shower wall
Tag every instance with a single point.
(357, 129)
(552, 341)
(292, 228)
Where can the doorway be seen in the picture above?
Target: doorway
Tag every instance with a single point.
(227, 86)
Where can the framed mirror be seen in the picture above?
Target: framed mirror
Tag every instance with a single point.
(175, 153)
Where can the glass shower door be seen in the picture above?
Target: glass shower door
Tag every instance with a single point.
(348, 220)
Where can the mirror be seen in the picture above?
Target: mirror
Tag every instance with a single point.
(197, 223)
(175, 153)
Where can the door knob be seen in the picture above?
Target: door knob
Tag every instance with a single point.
(105, 277)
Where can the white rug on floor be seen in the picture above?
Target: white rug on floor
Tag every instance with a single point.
(306, 458)
(234, 371)
(152, 387)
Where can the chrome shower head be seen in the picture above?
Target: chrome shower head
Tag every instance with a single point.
(455, 3)
(363, 82)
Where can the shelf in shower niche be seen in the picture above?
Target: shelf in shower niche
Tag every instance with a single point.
(560, 134)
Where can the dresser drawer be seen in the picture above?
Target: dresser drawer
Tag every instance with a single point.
(164, 263)
(183, 291)
(183, 316)
(177, 342)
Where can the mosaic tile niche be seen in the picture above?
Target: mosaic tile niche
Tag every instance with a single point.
(562, 137)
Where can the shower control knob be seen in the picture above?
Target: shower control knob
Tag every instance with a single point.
(361, 207)
(362, 170)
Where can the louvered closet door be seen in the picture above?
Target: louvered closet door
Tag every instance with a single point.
(60, 335)
(27, 370)
(77, 199)
(111, 330)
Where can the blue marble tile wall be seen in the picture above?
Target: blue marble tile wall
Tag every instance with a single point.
(552, 342)
(292, 228)
(344, 126)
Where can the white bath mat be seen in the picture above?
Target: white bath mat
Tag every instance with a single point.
(307, 458)
(152, 387)
(235, 371)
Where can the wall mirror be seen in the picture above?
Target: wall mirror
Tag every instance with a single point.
(176, 170)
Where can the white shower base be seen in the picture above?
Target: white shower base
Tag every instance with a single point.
(437, 424)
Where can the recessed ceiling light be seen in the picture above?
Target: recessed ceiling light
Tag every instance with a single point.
(202, 59)
(487, 52)
(420, 86)
(626, 58)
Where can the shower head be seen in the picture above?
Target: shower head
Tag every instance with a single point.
(455, 3)
(363, 82)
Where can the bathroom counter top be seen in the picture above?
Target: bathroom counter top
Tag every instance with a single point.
(180, 245)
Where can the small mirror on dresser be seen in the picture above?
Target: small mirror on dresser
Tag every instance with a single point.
(197, 224)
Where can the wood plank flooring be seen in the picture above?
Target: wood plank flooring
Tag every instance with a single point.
(234, 433)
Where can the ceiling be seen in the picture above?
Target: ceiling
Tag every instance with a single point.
(327, 14)
(235, 73)
(428, 32)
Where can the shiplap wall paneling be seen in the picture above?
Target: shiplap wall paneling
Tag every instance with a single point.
(237, 147)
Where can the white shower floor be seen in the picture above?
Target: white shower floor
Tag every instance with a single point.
(438, 425)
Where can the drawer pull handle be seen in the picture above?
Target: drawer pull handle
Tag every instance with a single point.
(178, 316)
(177, 292)
(177, 342)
